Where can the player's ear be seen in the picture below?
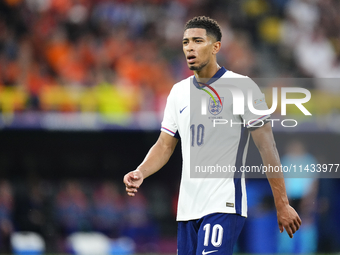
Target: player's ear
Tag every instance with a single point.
(216, 47)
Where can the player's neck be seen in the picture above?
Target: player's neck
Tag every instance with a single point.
(206, 73)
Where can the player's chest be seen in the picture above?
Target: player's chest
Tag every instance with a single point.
(199, 105)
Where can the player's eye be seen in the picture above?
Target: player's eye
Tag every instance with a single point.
(199, 40)
(185, 42)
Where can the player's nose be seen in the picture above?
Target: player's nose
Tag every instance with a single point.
(189, 47)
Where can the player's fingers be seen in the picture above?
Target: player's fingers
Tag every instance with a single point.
(299, 220)
(130, 182)
(135, 177)
(281, 227)
(289, 231)
(297, 224)
(293, 227)
(132, 185)
(130, 177)
(131, 194)
(127, 180)
(131, 190)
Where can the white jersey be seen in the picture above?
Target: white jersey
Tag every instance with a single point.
(202, 196)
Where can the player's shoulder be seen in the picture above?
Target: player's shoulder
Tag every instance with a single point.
(182, 85)
(231, 74)
(245, 83)
(184, 82)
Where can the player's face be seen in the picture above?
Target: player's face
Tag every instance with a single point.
(198, 48)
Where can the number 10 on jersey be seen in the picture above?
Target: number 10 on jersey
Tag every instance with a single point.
(197, 135)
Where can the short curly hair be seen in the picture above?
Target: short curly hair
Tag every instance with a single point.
(210, 25)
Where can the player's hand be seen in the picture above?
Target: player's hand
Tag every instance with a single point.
(288, 219)
(132, 181)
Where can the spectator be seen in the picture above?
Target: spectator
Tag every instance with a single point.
(108, 209)
(72, 209)
(139, 225)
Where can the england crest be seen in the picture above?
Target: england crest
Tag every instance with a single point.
(215, 107)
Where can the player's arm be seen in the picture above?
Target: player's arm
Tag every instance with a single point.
(286, 215)
(156, 158)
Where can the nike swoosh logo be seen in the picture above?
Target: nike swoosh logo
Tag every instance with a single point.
(208, 252)
(180, 111)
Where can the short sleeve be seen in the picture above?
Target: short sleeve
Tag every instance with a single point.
(169, 124)
(258, 102)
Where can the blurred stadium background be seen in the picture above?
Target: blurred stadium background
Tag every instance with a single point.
(83, 84)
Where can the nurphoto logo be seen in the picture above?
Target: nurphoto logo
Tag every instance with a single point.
(215, 105)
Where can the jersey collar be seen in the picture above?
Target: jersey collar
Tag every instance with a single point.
(216, 76)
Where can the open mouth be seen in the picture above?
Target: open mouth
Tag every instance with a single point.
(191, 59)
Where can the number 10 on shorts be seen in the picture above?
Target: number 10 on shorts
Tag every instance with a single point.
(216, 235)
